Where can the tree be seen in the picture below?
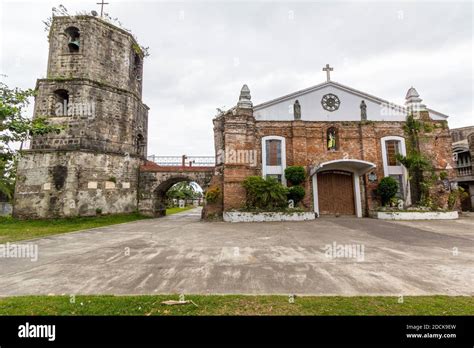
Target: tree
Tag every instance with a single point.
(15, 130)
(183, 190)
(264, 193)
(296, 193)
(387, 189)
(415, 162)
(295, 174)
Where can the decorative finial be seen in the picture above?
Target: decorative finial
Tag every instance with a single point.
(328, 70)
(413, 100)
(412, 93)
(244, 99)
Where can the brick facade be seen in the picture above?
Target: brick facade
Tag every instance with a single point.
(306, 145)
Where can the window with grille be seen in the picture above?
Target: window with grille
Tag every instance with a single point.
(392, 149)
(273, 150)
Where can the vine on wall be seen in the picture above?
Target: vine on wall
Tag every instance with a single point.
(424, 180)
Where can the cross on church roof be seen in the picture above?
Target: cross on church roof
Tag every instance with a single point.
(328, 69)
(102, 7)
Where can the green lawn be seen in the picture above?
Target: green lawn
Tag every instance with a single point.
(237, 305)
(12, 230)
(175, 210)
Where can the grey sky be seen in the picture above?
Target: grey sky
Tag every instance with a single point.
(203, 51)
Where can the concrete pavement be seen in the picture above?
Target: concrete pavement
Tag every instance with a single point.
(180, 254)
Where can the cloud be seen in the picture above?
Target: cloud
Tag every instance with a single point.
(203, 52)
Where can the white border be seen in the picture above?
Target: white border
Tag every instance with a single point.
(412, 215)
(343, 164)
(386, 170)
(280, 170)
(237, 216)
(396, 170)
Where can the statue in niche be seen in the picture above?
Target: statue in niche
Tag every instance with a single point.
(363, 111)
(332, 139)
(297, 110)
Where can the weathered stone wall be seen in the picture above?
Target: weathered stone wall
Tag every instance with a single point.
(107, 54)
(462, 133)
(214, 210)
(239, 129)
(93, 164)
(155, 181)
(112, 122)
(436, 145)
(72, 183)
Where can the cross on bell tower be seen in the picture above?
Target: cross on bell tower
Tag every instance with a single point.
(102, 7)
(328, 70)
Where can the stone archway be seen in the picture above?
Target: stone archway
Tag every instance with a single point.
(159, 201)
(155, 181)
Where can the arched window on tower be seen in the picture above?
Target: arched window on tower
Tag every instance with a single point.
(332, 139)
(60, 102)
(140, 145)
(137, 66)
(73, 36)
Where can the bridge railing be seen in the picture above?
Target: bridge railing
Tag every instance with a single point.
(187, 161)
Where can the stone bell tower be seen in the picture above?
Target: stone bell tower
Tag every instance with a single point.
(93, 91)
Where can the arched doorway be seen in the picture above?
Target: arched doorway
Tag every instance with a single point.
(155, 181)
(336, 193)
(162, 200)
(336, 186)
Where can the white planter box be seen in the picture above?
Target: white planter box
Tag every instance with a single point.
(238, 216)
(413, 215)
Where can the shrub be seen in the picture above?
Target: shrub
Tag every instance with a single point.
(455, 196)
(212, 194)
(295, 175)
(264, 193)
(296, 193)
(443, 175)
(387, 189)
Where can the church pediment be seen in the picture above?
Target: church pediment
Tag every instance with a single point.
(332, 101)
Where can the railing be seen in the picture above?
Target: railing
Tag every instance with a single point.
(464, 170)
(187, 161)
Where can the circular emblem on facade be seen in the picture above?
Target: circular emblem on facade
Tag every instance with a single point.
(330, 102)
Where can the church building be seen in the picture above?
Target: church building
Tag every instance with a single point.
(347, 141)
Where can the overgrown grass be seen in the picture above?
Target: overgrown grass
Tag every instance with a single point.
(14, 230)
(236, 305)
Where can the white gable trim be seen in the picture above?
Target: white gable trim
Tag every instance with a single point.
(341, 87)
